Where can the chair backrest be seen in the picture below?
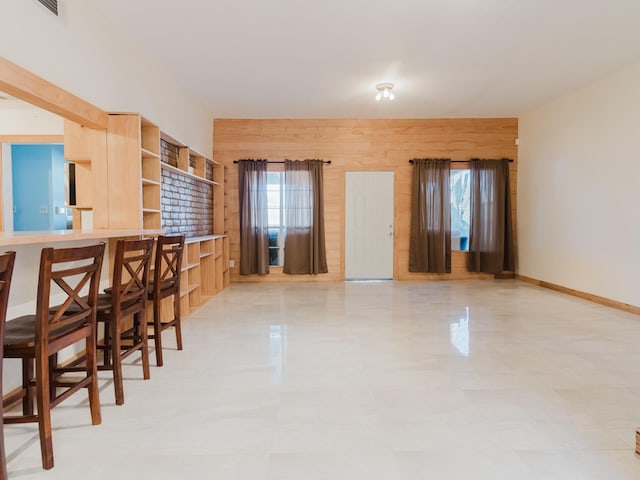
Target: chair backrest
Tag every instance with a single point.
(166, 275)
(7, 261)
(72, 270)
(131, 274)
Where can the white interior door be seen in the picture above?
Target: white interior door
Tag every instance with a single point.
(369, 225)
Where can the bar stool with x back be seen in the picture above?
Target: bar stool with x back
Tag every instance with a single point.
(166, 283)
(67, 273)
(126, 297)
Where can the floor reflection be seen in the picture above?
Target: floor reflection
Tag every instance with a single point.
(277, 352)
(459, 332)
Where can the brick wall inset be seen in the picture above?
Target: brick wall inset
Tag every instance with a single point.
(168, 153)
(187, 205)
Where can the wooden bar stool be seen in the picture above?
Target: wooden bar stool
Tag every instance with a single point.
(166, 283)
(126, 297)
(66, 272)
(7, 261)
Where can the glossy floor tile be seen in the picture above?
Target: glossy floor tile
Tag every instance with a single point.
(390, 381)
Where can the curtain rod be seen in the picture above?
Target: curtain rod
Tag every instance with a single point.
(281, 161)
(467, 161)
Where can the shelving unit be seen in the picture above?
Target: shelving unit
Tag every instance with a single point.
(135, 148)
(85, 148)
(201, 277)
(150, 177)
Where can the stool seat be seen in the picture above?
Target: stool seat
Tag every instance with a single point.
(21, 331)
(165, 286)
(104, 305)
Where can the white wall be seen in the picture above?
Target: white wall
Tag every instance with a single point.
(86, 55)
(20, 118)
(578, 189)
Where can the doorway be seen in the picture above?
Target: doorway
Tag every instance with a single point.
(38, 187)
(369, 225)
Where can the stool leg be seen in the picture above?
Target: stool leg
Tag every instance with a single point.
(92, 370)
(106, 352)
(141, 336)
(27, 375)
(116, 360)
(44, 408)
(53, 363)
(176, 319)
(157, 331)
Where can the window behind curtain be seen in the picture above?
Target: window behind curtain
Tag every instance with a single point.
(460, 209)
(275, 207)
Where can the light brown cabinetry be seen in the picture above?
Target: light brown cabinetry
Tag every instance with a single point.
(150, 178)
(86, 148)
(135, 149)
(202, 275)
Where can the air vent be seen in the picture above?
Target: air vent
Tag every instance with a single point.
(51, 5)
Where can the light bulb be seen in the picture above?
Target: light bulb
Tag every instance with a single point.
(391, 96)
(378, 97)
(386, 93)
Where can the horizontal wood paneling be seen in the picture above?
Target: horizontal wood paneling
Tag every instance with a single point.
(360, 145)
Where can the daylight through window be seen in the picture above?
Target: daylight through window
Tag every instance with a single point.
(460, 209)
(275, 208)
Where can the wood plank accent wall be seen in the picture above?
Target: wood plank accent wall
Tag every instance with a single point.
(360, 145)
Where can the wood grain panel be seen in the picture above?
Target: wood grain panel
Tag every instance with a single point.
(87, 147)
(360, 145)
(125, 192)
(28, 138)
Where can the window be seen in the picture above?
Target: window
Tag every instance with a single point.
(275, 208)
(460, 209)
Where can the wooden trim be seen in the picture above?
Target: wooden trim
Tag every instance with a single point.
(53, 236)
(171, 168)
(22, 84)
(31, 138)
(586, 296)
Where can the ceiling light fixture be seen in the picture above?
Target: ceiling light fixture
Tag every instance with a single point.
(385, 91)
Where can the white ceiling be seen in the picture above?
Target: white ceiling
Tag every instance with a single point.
(322, 59)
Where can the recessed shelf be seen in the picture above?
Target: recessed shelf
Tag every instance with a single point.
(148, 153)
(187, 174)
(148, 181)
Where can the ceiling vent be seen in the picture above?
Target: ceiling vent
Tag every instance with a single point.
(51, 5)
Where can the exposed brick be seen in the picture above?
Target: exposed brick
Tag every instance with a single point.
(186, 204)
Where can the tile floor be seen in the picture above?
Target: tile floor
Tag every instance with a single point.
(453, 380)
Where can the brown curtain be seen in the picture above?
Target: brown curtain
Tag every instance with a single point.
(254, 234)
(490, 232)
(304, 249)
(430, 241)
